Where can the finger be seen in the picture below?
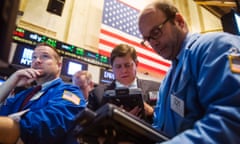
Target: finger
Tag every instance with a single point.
(32, 73)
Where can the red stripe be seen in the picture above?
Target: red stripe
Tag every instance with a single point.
(143, 65)
(133, 43)
(147, 67)
(105, 42)
(102, 52)
(125, 39)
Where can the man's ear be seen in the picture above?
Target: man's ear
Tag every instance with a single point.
(59, 65)
(179, 20)
(136, 62)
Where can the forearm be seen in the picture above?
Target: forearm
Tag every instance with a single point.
(6, 88)
(9, 130)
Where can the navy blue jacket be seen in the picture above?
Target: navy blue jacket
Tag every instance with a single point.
(51, 115)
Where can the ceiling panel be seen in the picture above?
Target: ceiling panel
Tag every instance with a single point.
(217, 7)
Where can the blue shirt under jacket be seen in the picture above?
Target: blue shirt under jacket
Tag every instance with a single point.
(199, 99)
(51, 114)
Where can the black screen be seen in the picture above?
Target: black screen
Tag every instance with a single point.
(8, 14)
(106, 76)
(231, 22)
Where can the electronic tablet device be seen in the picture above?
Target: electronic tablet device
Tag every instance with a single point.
(116, 125)
(125, 98)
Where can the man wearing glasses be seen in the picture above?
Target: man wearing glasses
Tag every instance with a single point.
(124, 65)
(199, 97)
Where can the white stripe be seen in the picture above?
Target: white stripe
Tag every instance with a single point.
(141, 59)
(138, 49)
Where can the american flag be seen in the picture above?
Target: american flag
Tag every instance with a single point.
(120, 25)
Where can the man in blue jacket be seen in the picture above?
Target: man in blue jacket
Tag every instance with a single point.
(199, 97)
(48, 115)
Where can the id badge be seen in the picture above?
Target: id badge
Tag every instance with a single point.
(177, 105)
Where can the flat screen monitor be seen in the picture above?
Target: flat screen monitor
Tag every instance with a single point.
(8, 14)
(231, 22)
(106, 76)
(23, 55)
(70, 66)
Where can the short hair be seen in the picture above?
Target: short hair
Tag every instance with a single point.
(167, 8)
(122, 50)
(86, 73)
(58, 56)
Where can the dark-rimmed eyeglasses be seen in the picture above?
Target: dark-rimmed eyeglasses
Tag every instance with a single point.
(155, 33)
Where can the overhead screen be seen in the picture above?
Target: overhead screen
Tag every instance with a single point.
(106, 76)
(70, 66)
(23, 58)
(231, 22)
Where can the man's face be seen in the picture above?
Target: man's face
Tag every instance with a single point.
(44, 59)
(162, 34)
(124, 69)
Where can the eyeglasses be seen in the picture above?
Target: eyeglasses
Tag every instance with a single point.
(155, 33)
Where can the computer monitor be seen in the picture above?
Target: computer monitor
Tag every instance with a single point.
(8, 15)
(231, 22)
(23, 56)
(106, 76)
(70, 66)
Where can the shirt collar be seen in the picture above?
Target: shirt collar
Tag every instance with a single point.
(132, 85)
(47, 84)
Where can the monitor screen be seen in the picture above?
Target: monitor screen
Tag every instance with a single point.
(2, 80)
(237, 21)
(231, 22)
(8, 14)
(106, 76)
(70, 66)
(23, 55)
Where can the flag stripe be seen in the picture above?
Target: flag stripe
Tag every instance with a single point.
(107, 43)
(119, 25)
(141, 60)
(145, 53)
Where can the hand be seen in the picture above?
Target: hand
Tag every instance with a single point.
(136, 111)
(148, 109)
(25, 76)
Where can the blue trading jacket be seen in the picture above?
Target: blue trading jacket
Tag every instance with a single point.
(200, 102)
(51, 116)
